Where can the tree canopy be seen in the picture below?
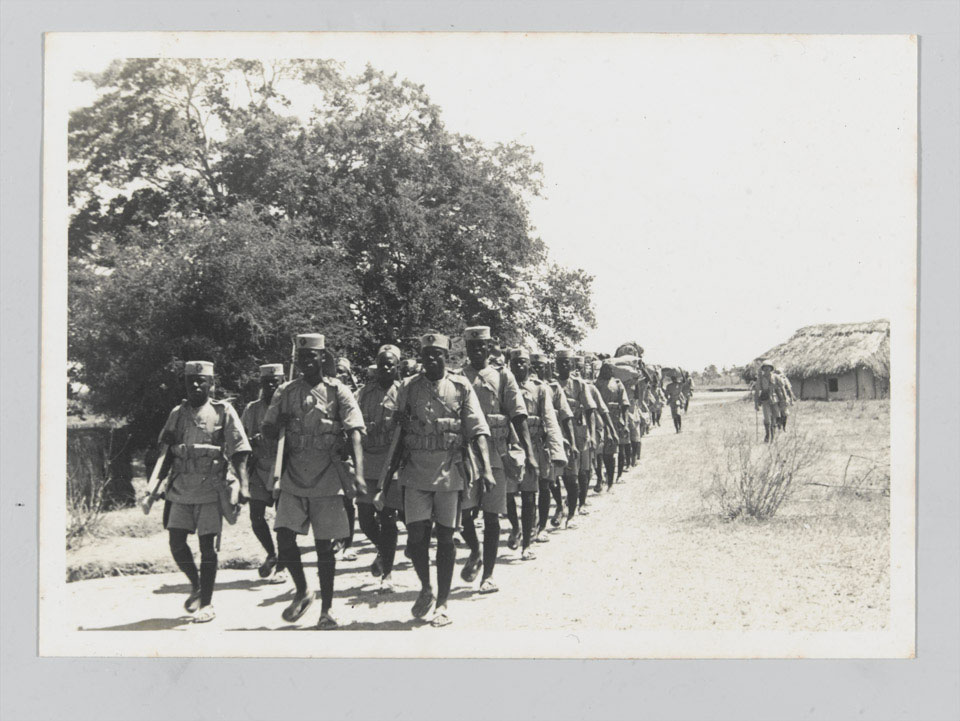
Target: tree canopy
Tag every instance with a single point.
(220, 206)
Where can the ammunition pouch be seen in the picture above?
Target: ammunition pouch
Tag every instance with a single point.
(202, 459)
(325, 438)
(442, 434)
(499, 426)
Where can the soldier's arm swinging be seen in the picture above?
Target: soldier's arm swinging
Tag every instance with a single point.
(239, 461)
(356, 440)
(523, 432)
(483, 451)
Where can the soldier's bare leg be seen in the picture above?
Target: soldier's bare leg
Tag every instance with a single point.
(288, 552)
(208, 567)
(491, 545)
(583, 483)
(344, 544)
(446, 558)
(326, 570)
(468, 531)
(572, 487)
(527, 512)
(418, 544)
(183, 557)
(260, 528)
(622, 454)
(543, 509)
(558, 498)
(514, 521)
(637, 447)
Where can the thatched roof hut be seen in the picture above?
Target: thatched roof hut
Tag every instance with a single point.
(836, 360)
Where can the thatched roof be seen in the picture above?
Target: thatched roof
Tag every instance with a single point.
(834, 348)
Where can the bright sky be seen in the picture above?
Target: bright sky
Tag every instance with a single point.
(723, 190)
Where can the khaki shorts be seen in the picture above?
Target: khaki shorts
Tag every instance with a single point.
(441, 507)
(770, 411)
(494, 501)
(392, 499)
(585, 460)
(325, 514)
(200, 518)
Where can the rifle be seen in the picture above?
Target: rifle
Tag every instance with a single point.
(153, 485)
(386, 473)
(282, 435)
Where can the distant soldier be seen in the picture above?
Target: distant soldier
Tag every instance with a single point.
(584, 425)
(675, 401)
(687, 387)
(377, 400)
(547, 440)
(313, 410)
(540, 365)
(440, 417)
(503, 407)
(605, 432)
(767, 394)
(260, 468)
(206, 439)
(786, 395)
(614, 395)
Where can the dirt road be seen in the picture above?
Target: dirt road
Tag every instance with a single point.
(648, 556)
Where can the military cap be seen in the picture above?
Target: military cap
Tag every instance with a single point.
(538, 357)
(520, 353)
(435, 340)
(313, 341)
(578, 359)
(270, 370)
(343, 364)
(389, 348)
(564, 353)
(477, 332)
(198, 368)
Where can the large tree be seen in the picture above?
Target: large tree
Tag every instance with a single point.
(221, 205)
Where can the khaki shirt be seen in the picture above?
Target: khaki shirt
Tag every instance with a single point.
(579, 398)
(544, 427)
(264, 449)
(560, 403)
(441, 410)
(320, 414)
(377, 406)
(501, 401)
(206, 439)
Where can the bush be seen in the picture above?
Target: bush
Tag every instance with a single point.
(753, 480)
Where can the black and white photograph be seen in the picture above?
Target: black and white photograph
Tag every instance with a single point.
(550, 345)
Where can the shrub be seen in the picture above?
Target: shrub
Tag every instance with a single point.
(753, 480)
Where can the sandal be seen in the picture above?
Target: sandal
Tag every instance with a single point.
(267, 567)
(541, 537)
(569, 523)
(527, 555)
(326, 622)
(440, 618)
(488, 586)
(193, 601)
(205, 615)
(348, 554)
(297, 607)
(386, 584)
(471, 568)
(424, 603)
(279, 577)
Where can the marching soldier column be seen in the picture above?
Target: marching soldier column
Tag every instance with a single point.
(418, 442)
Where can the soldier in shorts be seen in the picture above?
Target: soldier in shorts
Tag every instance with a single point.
(675, 401)
(503, 406)
(260, 469)
(313, 410)
(440, 417)
(582, 406)
(767, 394)
(547, 440)
(377, 400)
(614, 395)
(204, 436)
(540, 366)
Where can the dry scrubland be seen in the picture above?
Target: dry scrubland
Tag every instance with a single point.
(656, 554)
